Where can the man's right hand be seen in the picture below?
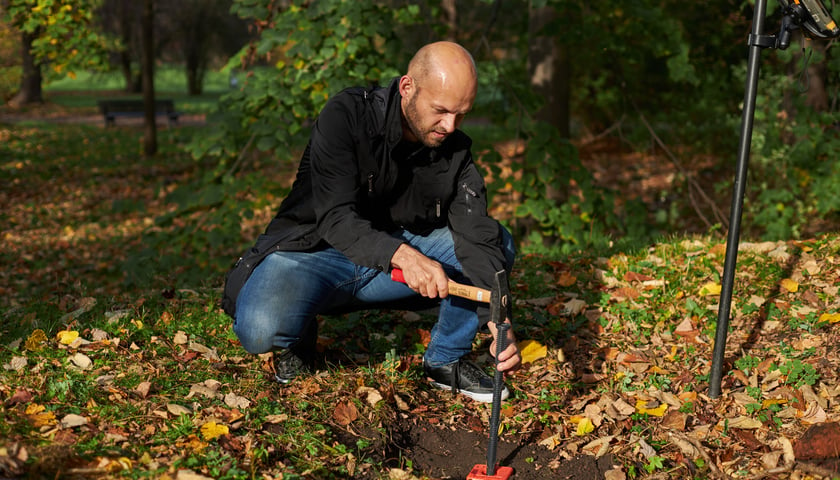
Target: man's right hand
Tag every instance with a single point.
(422, 274)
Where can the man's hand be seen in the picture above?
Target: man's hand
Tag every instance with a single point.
(422, 274)
(510, 359)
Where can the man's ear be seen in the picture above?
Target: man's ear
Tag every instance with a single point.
(407, 86)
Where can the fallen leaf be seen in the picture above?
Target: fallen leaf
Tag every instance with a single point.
(790, 285)
(35, 340)
(627, 292)
(81, 361)
(176, 409)
(211, 430)
(584, 426)
(531, 351)
(21, 395)
(180, 338)
(73, 420)
(345, 413)
(372, 395)
(233, 400)
(40, 416)
(709, 288)
(142, 390)
(16, 363)
(66, 337)
(743, 422)
(190, 475)
(574, 306)
(636, 277)
(566, 279)
(643, 406)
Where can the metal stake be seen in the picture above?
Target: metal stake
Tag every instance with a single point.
(757, 42)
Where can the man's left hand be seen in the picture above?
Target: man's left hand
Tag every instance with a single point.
(510, 359)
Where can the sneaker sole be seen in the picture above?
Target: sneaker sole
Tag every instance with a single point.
(478, 397)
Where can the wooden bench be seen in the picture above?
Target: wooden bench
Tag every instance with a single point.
(111, 109)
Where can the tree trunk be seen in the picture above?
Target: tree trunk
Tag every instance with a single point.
(148, 73)
(30, 83)
(549, 70)
(450, 10)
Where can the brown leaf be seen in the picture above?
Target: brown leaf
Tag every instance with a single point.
(636, 277)
(345, 413)
(142, 390)
(21, 395)
(627, 292)
(566, 279)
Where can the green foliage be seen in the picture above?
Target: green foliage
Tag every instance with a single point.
(560, 196)
(303, 54)
(66, 33)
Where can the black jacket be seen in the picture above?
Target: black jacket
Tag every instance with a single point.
(357, 182)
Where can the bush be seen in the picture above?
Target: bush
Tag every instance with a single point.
(9, 82)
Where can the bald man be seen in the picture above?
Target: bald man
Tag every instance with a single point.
(386, 181)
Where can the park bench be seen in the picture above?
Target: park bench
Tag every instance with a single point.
(111, 109)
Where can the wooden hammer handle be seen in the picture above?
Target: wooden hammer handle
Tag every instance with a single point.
(455, 288)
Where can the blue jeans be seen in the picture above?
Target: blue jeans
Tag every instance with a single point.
(285, 293)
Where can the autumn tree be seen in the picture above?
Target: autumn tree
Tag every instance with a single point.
(58, 34)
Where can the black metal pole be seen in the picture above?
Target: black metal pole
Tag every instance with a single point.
(747, 117)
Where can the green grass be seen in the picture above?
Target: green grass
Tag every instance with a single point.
(83, 91)
(82, 199)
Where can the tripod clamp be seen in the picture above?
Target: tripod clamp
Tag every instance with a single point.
(809, 15)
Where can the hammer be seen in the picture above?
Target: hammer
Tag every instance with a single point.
(500, 309)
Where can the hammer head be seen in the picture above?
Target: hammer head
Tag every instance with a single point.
(500, 301)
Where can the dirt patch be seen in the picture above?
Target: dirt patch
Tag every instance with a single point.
(442, 452)
(451, 453)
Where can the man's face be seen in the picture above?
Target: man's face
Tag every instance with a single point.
(432, 113)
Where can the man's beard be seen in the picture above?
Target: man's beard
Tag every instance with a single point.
(412, 119)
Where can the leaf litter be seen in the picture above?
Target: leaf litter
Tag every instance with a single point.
(615, 382)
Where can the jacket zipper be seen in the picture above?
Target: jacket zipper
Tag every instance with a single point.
(468, 192)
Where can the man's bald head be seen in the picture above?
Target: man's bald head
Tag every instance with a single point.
(437, 92)
(445, 62)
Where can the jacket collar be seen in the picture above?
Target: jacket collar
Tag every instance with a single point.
(393, 114)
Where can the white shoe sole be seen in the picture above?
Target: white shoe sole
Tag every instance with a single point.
(478, 397)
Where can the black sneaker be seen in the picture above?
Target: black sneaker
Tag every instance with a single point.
(287, 366)
(464, 377)
(290, 362)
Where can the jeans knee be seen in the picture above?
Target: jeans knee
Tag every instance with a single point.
(253, 339)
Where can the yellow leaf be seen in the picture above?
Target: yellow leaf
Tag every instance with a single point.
(34, 408)
(531, 351)
(790, 285)
(66, 337)
(40, 416)
(35, 340)
(211, 430)
(584, 426)
(710, 288)
(641, 407)
(767, 403)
